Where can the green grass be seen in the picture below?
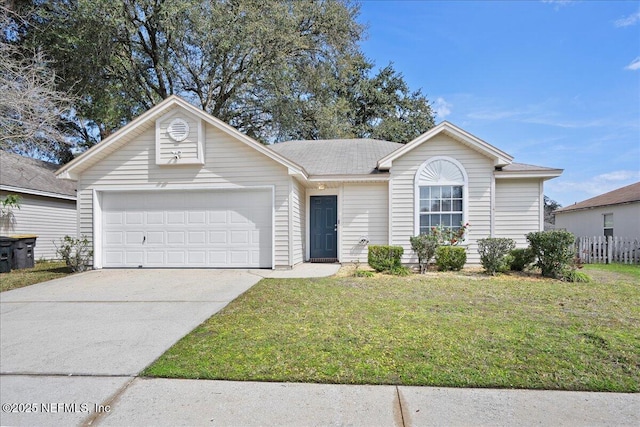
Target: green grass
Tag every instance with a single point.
(43, 271)
(439, 329)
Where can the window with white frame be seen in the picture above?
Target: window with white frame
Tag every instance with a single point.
(440, 187)
(608, 224)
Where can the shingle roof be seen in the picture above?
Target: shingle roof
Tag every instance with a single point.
(31, 174)
(336, 156)
(522, 167)
(628, 194)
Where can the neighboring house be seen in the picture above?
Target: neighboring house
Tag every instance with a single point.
(177, 187)
(616, 213)
(47, 207)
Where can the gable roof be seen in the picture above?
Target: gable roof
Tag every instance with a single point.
(500, 158)
(21, 174)
(522, 170)
(628, 194)
(98, 152)
(337, 156)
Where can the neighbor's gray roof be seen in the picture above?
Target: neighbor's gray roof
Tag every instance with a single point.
(628, 194)
(31, 174)
(336, 156)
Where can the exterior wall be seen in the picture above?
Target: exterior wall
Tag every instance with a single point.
(590, 222)
(298, 221)
(517, 209)
(364, 214)
(228, 163)
(480, 173)
(190, 148)
(48, 218)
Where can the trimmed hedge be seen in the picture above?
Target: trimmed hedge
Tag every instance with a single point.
(554, 251)
(385, 258)
(493, 251)
(451, 258)
(521, 259)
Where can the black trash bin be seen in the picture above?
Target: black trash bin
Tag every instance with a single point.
(24, 253)
(6, 253)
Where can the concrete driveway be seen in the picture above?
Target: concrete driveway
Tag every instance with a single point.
(82, 338)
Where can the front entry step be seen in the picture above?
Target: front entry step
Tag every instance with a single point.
(324, 260)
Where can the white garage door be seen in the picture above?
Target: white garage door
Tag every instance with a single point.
(187, 229)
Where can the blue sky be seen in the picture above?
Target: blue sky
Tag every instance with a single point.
(553, 83)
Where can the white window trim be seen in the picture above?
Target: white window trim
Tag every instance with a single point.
(417, 184)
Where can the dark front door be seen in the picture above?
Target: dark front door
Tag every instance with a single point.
(324, 228)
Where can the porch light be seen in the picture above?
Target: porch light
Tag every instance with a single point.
(321, 187)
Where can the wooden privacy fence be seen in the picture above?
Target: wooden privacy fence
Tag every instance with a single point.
(608, 249)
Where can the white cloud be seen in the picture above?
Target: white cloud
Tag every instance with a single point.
(628, 20)
(578, 191)
(442, 107)
(558, 3)
(634, 65)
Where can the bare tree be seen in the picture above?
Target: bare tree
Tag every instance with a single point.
(32, 110)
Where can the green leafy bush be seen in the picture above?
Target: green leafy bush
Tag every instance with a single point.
(424, 245)
(76, 253)
(363, 273)
(401, 271)
(492, 252)
(451, 258)
(576, 276)
(553, 251)
(384, 258)
(521, 259)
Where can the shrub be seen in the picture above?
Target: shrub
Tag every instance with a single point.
(424, 245)
(76, 253)
(553, 251)
(521, 259)
(576, 276)
(450, 258)
(401, 270)
(492, 252)
(383, 258)
(363, 273)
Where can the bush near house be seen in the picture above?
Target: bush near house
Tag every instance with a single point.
(451, 258)
(553, 251)
(520, 259)
(493, 253)
(424, 245)
(76, 253)
(385, 258)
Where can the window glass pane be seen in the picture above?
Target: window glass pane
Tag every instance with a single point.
(456, 220)
(457, 192)
(446, 220)
(424, 192)
(424, 205)
(446, 206)
(446, 192)
(435, 206)
(435, 192)
(608, 220)
(434, 220)
(456, 206)
(424, 221)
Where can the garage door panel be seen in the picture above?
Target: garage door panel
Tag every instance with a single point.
(188, 229)
(197, 237)
(155, 218)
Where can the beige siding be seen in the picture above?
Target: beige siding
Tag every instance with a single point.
(479, 169)
(517, 209)
(48, 218)
(228, 163)
(298, 208)
(364, 214)
(590, 222)
(189, 147)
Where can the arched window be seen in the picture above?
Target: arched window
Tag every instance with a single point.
(440, 194)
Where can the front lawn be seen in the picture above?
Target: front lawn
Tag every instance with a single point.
(43, 271)
(440, 329)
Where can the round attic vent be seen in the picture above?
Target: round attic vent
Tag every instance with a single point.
(178, 130)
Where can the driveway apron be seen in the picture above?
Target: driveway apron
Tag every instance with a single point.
(76, 341)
